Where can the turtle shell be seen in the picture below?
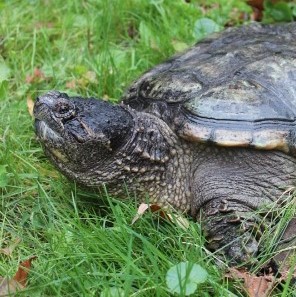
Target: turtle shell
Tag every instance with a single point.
(236, 88)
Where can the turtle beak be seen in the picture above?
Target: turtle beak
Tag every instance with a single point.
(45, 103)
(43, 110)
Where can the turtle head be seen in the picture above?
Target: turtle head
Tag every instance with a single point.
(79, 134)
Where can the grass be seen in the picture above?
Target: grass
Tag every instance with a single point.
(84, 240)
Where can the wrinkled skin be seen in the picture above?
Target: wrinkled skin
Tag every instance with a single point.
(210, 132)
(95, 143)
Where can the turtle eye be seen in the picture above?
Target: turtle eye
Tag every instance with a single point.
(65, 110)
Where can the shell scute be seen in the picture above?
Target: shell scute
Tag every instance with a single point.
(236, 88)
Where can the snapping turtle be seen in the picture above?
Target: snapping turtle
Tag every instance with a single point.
(211, 131)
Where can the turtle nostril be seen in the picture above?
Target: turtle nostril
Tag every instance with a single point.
(54, 94)
(37, 104)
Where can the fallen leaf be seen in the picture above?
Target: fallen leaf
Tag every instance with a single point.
(255, 286)
(22, 273)
(153, 207)
(141, 210)
(258, 7)
(9, 249)
(30, 105)
(175, 218)
(37, 76)
(89, 77)
(8, 287)
(258, 4)
(18, 282)
(71, 84)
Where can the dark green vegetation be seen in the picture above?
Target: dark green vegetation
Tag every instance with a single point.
(86, 244)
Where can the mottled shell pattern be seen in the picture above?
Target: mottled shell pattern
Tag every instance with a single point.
(235, 89)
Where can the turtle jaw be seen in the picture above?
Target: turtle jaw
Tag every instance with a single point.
(53, 108)
(45, 133)
(52, 142)
(49, 126)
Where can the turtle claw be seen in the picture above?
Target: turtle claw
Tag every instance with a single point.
(242, 250)
(237, 250)
(233, 235)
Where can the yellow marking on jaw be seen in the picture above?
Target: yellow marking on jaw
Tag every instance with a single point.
(59, 155)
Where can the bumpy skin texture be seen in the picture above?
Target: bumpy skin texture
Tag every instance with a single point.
(210, 132)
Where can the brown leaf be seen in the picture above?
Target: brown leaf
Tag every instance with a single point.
(18, 282)
(155, 208)
(9, 249)
(37, 76)
(22, 273)
(89, 77)
(176, 218)
(30, 105)
(71, 84)
(8, 287)
(255, 286)
(141, 210)
(258, 8)
(258, 4)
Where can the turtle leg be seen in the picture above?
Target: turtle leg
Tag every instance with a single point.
(232, 231)
(229, 188)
